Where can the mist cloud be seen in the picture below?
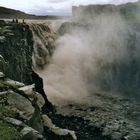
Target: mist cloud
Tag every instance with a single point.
(85, 59)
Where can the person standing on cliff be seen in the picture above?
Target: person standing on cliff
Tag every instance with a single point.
(16, 20)
(38, 81)
(13, 20)
(23, 20)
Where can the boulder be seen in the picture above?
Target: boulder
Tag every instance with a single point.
(22, 104)
(30, 134)
(27, 132)
(14, 83)
(2, 76)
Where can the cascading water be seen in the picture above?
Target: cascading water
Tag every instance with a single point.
(89, 58)
(43, 44)
(93, 59)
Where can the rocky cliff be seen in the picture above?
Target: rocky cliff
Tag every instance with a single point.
(16, 47)
(24, 109)
(129, 11)
(24, 46)
(99, 116)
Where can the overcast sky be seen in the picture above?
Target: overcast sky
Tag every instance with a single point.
(45, 7)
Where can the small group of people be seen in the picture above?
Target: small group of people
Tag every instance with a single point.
(16, 20)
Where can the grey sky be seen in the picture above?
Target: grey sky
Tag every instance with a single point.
(44, 7)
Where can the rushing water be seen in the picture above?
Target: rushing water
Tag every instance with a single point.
(98, 57)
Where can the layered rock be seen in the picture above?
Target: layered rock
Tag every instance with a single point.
(22, 47)
(16, 47)
(23, 111)
(23, 104)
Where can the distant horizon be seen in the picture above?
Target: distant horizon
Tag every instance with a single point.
(53, 7)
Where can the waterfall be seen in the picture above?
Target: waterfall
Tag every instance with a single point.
(88, 59)
(95, 58)
(43, 44)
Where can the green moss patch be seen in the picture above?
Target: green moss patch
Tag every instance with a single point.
(8, 132)
(5, 111)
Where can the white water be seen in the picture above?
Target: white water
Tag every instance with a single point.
(91, 61)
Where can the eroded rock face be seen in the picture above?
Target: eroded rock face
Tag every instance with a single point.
(16, 47)
(21, 101)
(24, 113)
(22, 46)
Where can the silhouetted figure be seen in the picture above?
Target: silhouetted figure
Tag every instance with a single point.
(23, 20)
(16, 20)
(13, 20)
(38, 81)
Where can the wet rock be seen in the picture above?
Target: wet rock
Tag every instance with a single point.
(21, 103)
(17, 54)
(27, 132)
(36, 119)
(3, 64)
(58, 131)
(38, 81)
(14, 83)
(28, 90)
(14, 121)
(30, 134)
(2, 76)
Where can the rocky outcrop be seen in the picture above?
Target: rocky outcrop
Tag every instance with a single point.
(23, 111)
(16, 47)
(24, 105)
(22, 47)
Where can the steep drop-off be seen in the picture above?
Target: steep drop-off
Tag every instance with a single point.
(94, 74)
(23, 113)
(16, 47)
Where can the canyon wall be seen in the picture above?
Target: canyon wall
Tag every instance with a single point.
(23, 47)
(16, 47)
(129, 11)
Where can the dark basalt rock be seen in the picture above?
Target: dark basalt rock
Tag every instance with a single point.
(16, 49)
(48, 107)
